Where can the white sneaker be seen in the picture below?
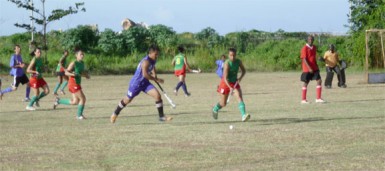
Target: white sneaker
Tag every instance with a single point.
(304, 102)
(30, 108)
(56, 103)
(175, 92)
(320, 101)
(81, 118)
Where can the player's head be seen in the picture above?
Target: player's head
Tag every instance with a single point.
(65, 52)
(232, 53)
(36, 52)
(223, 57)
(17, 49)
(153, 52)
(79, 54)
(310, 40)
(181, 49)
(332, 47)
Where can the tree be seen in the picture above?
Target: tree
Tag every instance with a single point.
(209, 36)
(81, 37)
(136, 39)
(165, 37)
(110, 42)
(43, 19)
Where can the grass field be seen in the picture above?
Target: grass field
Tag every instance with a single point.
(347, 133)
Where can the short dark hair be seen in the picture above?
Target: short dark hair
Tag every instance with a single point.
(16, 45)
(33, 52)
(181, 49)
(233, 50)
(153, 48)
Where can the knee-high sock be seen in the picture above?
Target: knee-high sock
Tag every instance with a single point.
(64, 101)
(64, 85)
(56, 88)
(119, 108)
(178, 85)
(242, 108)
(304, 91)
(27, 91)
(7, 90)
(319, 91)
(217, 107)
(159, 106)
(184, 86)
(80, 110)
(42, 94)
(32, 101)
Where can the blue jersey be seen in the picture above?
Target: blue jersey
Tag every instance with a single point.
(16, 60)
(219, 67)
(138, 79)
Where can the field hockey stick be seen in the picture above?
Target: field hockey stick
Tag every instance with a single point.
(231, 93)
(196, 70)
(165, 95)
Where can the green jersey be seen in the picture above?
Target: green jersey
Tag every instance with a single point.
(61, 63)
(179, 62)
(78, 70)
(233, 70)
(38, 67)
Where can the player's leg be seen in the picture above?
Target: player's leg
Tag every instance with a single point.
(59, 82)
(180, 83)
(11, 88)
(132, 92)
(241, 104)
(329, 77)
(153, 92)
(305, 79)
(82, 101)
(317, 77)
(36, 92)
(64, 85)
(343, 78)
(340, 81)
(182, 78)
(1, 95)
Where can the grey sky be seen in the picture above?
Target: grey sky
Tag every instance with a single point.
(193, 15)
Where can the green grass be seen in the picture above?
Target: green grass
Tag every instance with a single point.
(347, 133)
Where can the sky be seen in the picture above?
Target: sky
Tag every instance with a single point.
(193, 15)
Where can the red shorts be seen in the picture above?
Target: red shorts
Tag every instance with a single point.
(180, 72)
(73, 87)
(37, 82)
(224, 89)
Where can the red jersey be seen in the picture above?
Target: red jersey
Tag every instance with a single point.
(310, 54)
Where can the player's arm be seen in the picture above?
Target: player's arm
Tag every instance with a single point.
(153, 73)
(146, 75)
(187, 65)
(30, 66)
(12, 63)
(69, 70)
(173, 62)
(307, 65)
(243, 70)
(61, 61)
(225, 74)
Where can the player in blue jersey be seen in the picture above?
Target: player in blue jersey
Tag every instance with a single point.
(141, 82)
(16, 63)
(220, 63)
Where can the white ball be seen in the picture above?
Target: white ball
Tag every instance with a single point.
(231, 126)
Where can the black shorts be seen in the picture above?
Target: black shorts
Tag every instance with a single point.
(60, 73)
(22, 79)
(307, 76)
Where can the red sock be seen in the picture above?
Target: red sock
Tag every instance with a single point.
(319, 90)
(304, 90)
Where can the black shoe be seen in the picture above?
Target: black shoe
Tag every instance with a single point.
(343, 86)
(328, 87)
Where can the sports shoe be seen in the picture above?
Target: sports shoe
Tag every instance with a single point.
(215, 114)
(175, 92)
(320, 101)
(304, 102)
(62, 92)
(113, 118)
(245, 117)
(30, 108)
(187, 95)
(26, 99)
(56, 103)
(55, 94)
(165, 118)
(328, 87)
(81, 118)
(343, 86)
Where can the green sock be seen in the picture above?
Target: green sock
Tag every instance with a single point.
(65, 101)
(217, 107)
(56, 88)
(80, 110)
(242, 108)
(33, 100)
(64, 85)
(42, 94)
